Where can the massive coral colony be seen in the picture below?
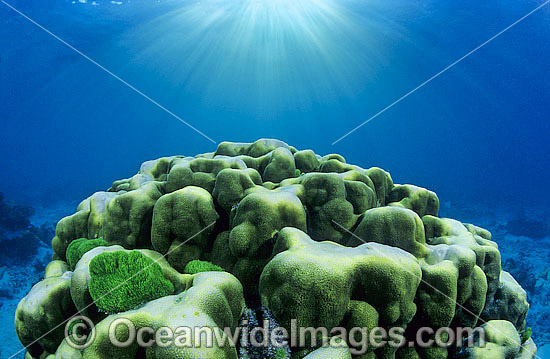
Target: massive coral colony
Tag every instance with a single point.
(263, 226)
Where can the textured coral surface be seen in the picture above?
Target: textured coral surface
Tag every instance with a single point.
(308, 237)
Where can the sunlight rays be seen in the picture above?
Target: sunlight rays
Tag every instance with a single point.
(268, 55)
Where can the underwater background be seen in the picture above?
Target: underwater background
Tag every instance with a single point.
(305, 72)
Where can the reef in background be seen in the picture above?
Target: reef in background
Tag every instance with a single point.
(20, 242)
(308, 237)
(529, 227)
(18, 234)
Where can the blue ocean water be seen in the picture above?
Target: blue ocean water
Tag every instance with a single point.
(303, 71)
(306, 72)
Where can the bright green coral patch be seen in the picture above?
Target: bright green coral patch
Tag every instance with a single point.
(121, 281)
(80, 246)
(198, 266)
(525, 334)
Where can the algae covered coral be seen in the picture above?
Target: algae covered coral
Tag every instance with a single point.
(317, 242)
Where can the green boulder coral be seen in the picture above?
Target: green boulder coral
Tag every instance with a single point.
(418, 199)
(56, 268)
(127, 219)
(181, 225)
(87, 222)
(502, 341)
(322, 283)
(311, 237)
(510, 302)
(40, 312)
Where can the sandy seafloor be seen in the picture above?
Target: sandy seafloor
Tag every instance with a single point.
(525, 258)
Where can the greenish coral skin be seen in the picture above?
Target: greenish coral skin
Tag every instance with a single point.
(502, 342)
(306, 161)
(79, 247)
(328, 210)
(87, 222)
(128, 217)
(182, 223)
(420, 200)
(452, 232)
(69, 229)
(259, 148)
(214, 299)
(221, 252)
(64, 351)
(120, 281)
(40, 312)
(510, 302)
(264, 197)
(281, 166)
(449, 272)
(233, 185)
(154, 170)
(482, 232)
(258, 218)
(198, 266)
(199, 172)
(56, 268)
(528, 350)
(393, 226)
(456, 266)
(382, 182)
(315, 282)
(362, 315)
(261, 215)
